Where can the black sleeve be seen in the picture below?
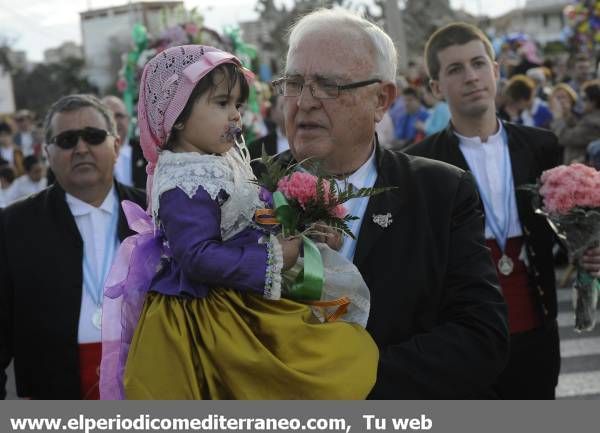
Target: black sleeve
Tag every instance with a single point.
(6, 302)
(465, 352)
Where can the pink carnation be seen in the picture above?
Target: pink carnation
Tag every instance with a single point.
(339, 211)
(302, 187)
(566, 187)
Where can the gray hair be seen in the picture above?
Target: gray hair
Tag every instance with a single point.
(76, 102)
(386, 58)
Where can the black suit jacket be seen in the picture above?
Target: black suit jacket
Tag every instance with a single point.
(532, 150)
(269, 142)
(437, 314)
(138, 164)
(41, 252)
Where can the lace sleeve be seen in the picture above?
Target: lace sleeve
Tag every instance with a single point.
(274, 267)
(188, 171)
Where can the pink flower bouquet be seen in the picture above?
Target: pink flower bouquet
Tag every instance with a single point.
(302, 204)
(571, 203)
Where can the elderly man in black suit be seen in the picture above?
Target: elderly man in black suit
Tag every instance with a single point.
(502, 156)
(56, 248)
(437, 314)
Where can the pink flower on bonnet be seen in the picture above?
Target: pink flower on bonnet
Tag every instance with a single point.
(167, 83)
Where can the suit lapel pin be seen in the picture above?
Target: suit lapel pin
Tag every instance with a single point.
(383, 220)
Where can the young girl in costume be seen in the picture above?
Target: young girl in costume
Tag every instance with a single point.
(213, 325)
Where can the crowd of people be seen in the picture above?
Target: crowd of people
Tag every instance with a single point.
(559, 94)
(460, 268)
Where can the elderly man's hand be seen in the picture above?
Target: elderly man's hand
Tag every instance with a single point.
(591, 261)
(333, 238)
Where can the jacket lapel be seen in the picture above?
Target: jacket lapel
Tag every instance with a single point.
(390, 202)
(520, 157)
(449, 147)
(123, 229)
(60, 211)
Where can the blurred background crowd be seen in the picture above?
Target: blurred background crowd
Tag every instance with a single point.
(547, 50)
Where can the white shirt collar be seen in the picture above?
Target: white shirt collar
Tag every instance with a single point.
(79, 207)
(476, 141)
(359, 177)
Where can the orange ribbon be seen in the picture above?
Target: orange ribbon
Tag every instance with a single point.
(266, 217)
(342, 305)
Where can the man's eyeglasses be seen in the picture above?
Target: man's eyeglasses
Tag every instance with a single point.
(319, 88)
(68, 139)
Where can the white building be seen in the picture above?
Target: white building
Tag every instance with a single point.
(107, 34)
(541, 19)
(7, 99)
(64, 51)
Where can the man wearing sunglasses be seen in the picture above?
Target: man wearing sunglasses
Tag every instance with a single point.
(56, 248)
(436, 314)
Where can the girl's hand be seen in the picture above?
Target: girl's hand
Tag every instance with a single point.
(291, 250)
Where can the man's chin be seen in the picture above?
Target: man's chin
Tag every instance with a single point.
(316, 150)
(476, 110)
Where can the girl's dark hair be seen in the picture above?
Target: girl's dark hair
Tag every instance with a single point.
(228, 72)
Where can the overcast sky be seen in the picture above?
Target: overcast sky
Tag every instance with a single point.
(35, 25)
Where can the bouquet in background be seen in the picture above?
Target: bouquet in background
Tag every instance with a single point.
(301, 204)
(571, 204)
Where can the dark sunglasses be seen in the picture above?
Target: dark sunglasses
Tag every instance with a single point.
(68, 139)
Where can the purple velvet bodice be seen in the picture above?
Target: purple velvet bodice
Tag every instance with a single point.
(200, 259)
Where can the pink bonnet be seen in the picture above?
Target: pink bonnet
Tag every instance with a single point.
(167, 83)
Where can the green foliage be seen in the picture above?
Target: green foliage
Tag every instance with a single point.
(46, 83)
(318, 210)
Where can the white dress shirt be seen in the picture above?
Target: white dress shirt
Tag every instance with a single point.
(27, 143)
(93, 224)
(23, 187)
(364, 177)
(282, 141)
(8, 154)
(487, 162)
(123, 170)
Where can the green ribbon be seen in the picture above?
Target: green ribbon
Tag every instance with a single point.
(585, 279)
(309, 282)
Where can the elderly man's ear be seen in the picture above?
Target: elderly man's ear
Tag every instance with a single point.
(385, 98)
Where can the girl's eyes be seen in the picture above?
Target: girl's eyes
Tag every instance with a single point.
(225, 103)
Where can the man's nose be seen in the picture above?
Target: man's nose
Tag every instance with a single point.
(470, 74)
(306, 99)
(82, 146)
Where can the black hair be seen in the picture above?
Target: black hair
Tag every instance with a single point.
(591, 89)
(7, 173)
(72, 103)
(410, 91)
(30, 161)
(5, 127)
(231, 73)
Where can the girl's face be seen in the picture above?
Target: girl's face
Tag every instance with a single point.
(213, 113)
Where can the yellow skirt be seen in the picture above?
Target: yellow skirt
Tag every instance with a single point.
(233, 345)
